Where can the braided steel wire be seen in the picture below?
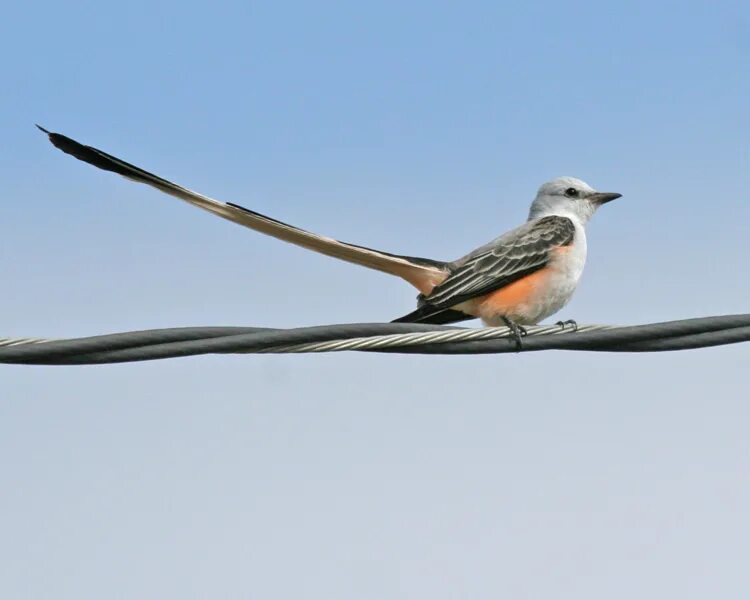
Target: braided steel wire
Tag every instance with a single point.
(407, 338)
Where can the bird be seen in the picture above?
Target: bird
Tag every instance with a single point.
(518, 279)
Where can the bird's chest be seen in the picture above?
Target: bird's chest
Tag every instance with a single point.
(566, 264)
(540, 294)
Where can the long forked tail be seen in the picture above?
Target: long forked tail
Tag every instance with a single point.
(422, 273)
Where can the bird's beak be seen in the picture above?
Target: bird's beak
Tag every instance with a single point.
(600, 198)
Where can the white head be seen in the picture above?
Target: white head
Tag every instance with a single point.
(568, 196)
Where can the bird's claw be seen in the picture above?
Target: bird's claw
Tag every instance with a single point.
(571, 322)
(517, 332)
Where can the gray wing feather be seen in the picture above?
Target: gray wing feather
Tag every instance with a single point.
(516, 254)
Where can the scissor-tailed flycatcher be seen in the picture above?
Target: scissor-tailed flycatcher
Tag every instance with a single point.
(518, 279)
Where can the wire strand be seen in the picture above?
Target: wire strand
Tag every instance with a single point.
(407, 338)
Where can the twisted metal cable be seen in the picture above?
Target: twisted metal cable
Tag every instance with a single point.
(407, 338)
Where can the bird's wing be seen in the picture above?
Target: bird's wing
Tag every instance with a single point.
(511, 257)
(421, 272)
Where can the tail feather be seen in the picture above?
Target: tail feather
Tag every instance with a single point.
(431, 315)
(422, 273)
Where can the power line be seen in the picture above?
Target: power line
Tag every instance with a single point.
(408, 338)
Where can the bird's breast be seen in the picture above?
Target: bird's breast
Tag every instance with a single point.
(536, 296)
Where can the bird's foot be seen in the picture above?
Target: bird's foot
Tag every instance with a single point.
(571, 322)
(517, 332)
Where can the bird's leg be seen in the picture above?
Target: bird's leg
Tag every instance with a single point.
(517, 331)
(570, 322)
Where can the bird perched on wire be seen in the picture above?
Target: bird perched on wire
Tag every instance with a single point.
(520, 278)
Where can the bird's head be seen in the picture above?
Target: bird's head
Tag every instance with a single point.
(568, 196)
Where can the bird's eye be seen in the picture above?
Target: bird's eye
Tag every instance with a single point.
(571, 193)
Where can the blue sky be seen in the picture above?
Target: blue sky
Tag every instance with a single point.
(420, 128)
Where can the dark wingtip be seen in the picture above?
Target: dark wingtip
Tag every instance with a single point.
(40, 128)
